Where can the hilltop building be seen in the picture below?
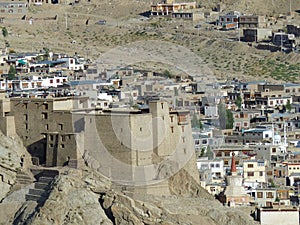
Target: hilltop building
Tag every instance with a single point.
(131, 147)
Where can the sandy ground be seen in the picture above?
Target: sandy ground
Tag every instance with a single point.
(75, 30)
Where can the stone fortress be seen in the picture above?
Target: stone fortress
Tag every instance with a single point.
(134, 148)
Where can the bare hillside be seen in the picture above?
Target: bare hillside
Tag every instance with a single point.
(76, 30)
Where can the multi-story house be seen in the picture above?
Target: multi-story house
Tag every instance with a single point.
(211, 174)
(72, 63)
(254, 172)
(270, 152)
(242, 153)
(292, 172)
(250, 136)
(252, 21)
(13, 7)
(229, 20)
(33, 82)
(168, 7)
(242, 119)
(216, 166)
(264, 197)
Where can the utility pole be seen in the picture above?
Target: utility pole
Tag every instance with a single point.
(290, 7)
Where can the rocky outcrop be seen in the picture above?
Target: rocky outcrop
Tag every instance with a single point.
(182, 184)
(85, 197)
(13, 159)
(72, 201)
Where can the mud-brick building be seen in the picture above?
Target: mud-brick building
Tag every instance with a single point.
(132, 147)
(42, 120)
(138, 147)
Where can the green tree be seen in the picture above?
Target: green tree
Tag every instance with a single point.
(239, 101)
(222, 115)
(202, 152)
(288, 106)
(175, 91)
(200, 125)
(196, 123)
(4, 32)
(167, 74)
(12, 73)
(209, 153)
(229, 119)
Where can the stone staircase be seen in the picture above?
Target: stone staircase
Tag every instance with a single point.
(23, 179)
(42, 187)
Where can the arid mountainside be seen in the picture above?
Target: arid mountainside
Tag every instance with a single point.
(75, 29)
(263, 7)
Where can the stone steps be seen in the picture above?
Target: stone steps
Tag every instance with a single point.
(46, 180)
(41, 186)
(40, 192)
(36, 198)
(22, 180)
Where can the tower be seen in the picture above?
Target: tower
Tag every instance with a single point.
(235, 192)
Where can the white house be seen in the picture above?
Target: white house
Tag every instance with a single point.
(72, 63)
(33, 82)
(211, 111)
(216, 166)
(279, 101)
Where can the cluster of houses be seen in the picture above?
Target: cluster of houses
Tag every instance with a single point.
(256, 121)
(253, 127)
(26, 71)
(258, 28)
(264, 137)
(255, 28)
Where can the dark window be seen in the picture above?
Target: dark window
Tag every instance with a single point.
(250, 174)
(259, 194)
(45, 106)
(45, 116)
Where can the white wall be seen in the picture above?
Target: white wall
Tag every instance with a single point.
(279, 217)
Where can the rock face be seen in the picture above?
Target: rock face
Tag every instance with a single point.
(72, 202)
(12, 152)
(87, 198)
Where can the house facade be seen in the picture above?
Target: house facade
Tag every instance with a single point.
(168, 7)
(13, 7)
